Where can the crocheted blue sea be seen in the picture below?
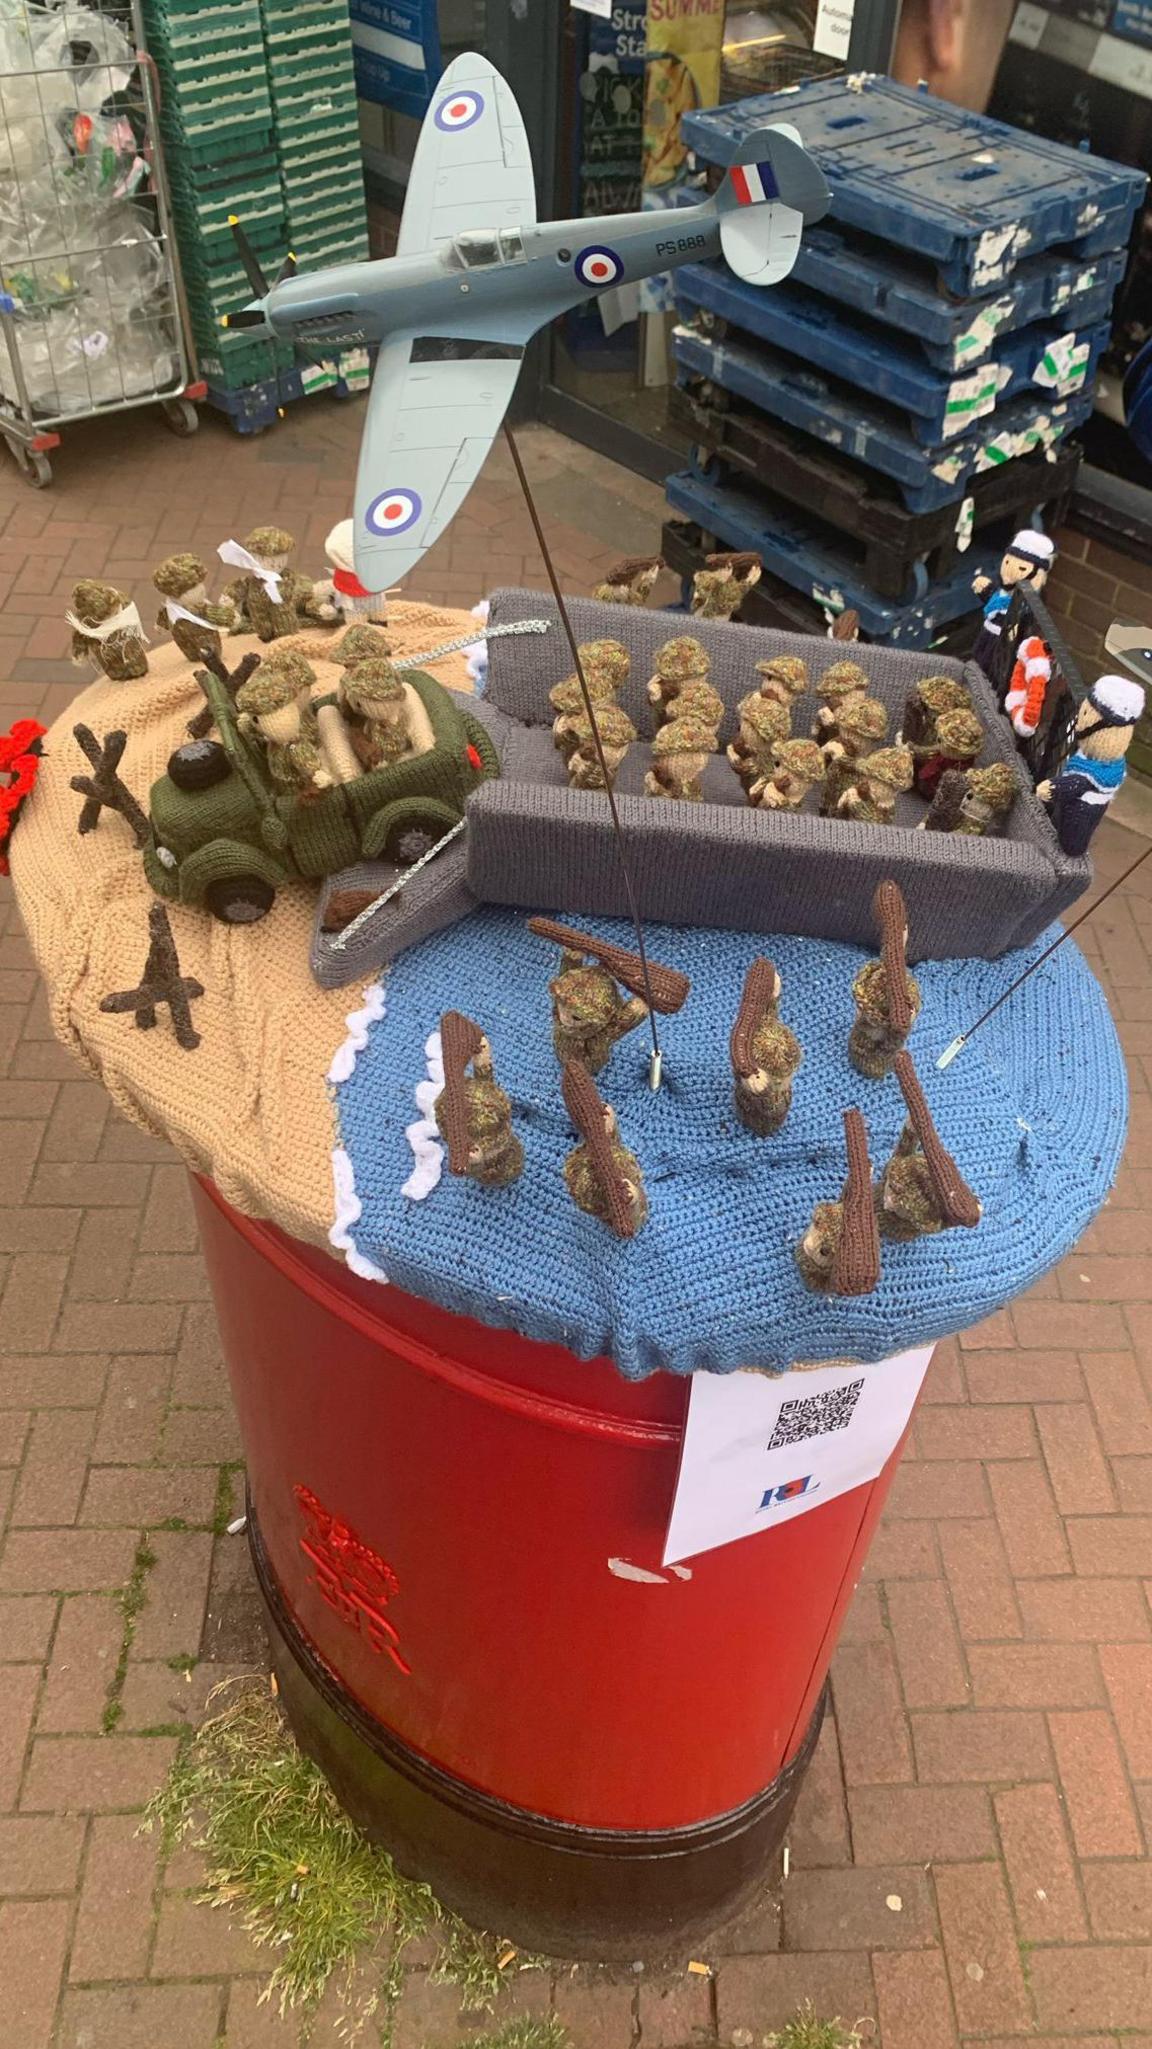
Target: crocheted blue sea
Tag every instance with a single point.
(1033, 1110)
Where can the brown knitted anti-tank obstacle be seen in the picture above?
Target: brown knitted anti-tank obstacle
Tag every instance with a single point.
(856, 1269)
(161, 982)
(232, 679)
(460, 1040)
(669, 988)
(585, 1106)
(958, 1203)
(758, 998)
(103, 789)
(891, 914)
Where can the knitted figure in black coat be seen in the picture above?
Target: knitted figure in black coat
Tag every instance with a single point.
(1079, 795)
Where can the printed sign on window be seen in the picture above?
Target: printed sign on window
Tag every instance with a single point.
(759, 1450)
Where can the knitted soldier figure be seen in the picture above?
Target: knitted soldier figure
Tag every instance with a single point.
(269, 594)
(340, 595)
(616, 736)
(361, 643)
(273, 705)
(602, 1176)
(1027, 559)
(785, 678)
(474, 1116)
(974, 802)
(588, 1012)
(696, 699)
(1078, 797)
(677, 662)
(840, 683)
(959, 738)
(876, 782)
(568, 702)
(923, 706)
(106, 629)
(193, 620)
(630, 582)
(764, 1053)
(886, 996)
(607, 665)
(861, 725)
(799, 767)
(374, 705)
(921, 1190)
(720, 588)
(764, 724)
(680, 753)
(839, 1253)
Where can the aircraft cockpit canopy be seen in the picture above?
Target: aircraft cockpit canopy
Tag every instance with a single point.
(478, 248)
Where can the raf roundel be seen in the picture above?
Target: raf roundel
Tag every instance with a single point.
(598, 266)
(393, 512)
(459, 110)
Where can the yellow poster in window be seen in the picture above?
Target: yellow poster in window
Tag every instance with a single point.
(682, 72)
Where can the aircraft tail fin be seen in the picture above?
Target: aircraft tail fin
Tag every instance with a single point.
(765, 202)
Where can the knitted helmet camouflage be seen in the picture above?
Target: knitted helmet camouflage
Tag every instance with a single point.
(775, 1048)
(93, 602)
(289, 661)
(942, 693)
(177, 574)
(801, 758)
(488, 1108)
(368, 685)
(696, 699)
(995, 785)
(614, 726)
(908, 1190)
(959, 732)
(681, 658)
(269, 541)
(606, 659)
(588, 995)
(566, 697)
(270, 689)
(768, 720)
(842, 679)
(790, 670)
(361, 643)
(892, 766)
(864, 718)
(684, 736)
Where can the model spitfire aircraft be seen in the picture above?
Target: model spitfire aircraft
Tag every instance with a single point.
(473, 279)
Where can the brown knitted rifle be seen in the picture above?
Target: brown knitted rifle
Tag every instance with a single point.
(856, 1268)
(200, 726)
(669, 988)
(585, 1106)
(624, 573)
(847, 626)
(739, 564)
(958, 1203)
(757, 1002)
(891, 915)
(460, 1041)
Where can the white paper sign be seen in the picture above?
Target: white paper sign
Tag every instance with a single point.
(833, 27)
(758, 1450)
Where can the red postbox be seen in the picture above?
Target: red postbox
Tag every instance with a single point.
(458, 1535)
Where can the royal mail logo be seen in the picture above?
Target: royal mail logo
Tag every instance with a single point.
(789, 1491)
(354, 1580)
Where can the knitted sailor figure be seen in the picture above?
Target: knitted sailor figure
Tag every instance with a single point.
(340, 595)
(1079, 795)
(194, 622)
(268, 594)
(106, 629)
(1028, 685)
(1027, 559)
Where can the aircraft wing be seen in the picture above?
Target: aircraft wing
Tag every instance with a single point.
(433, 411)
(472, 167)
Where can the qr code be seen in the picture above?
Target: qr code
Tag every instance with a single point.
(815, 1414)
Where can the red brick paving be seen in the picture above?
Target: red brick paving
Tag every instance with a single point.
(990, 1758)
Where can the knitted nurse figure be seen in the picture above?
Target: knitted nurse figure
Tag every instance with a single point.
(764, 1053)
(1027, 559)
(340, 595)
(194, 622)
(1078, 797)
(630, 582)
(269, 593)
(474, 1116)
(106, 629)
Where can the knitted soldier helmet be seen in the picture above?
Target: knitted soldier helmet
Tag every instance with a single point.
(605, 659)
(177, 574)
(613, 725)
(776, 1049)
(696, 699)
(567, 697)
(93, 602)
(841, 680)
(862, 719)
(943, 693)
(368, 687)
(488, 1108)
(361, 643)
(269, 543)
(801, 758)
(681, 658)
(270, 689)
(959, 733)
(790, 671)
(683, 736)
(588, 997)
(769, 720)
(892, 766)
(995, 785)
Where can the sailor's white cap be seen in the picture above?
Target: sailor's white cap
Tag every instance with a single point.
(1033, 547)
(1118, 700)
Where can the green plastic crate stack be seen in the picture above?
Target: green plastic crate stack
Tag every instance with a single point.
(308, 45)
(216, 103)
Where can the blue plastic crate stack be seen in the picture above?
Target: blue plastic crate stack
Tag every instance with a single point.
(258, 117)
(877, 427)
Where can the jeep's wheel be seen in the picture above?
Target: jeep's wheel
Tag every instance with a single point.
(410, 843)
(240, 899)
(198, 765)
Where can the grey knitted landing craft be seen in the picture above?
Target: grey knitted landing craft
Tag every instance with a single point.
(533, 841)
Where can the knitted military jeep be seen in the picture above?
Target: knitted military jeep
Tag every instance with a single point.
(224, 835)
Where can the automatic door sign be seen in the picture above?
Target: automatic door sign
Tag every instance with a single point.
(759, 1450)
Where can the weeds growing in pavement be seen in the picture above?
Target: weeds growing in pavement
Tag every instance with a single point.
(525, 2034)
(807, 2031)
